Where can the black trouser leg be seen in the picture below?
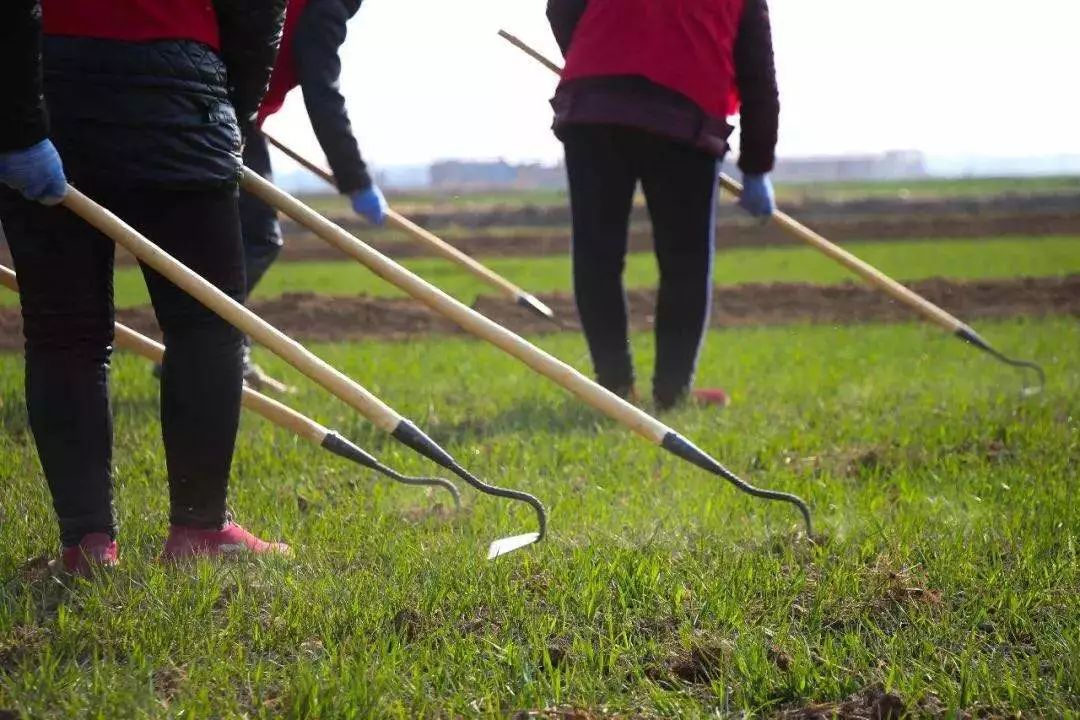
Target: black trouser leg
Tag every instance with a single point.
(201, 378)
(679, 182)
(65, 286)
(258, 221)
(602, 180)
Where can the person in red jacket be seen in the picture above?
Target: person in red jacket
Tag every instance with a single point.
(645, 96)
(144, 105)
(309, 59)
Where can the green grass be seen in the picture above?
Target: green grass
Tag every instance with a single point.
(410, 201)
(831, 191)
(950, 569)
(907, 260)
(930, 188)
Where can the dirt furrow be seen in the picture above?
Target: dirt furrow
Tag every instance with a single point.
(313, 317)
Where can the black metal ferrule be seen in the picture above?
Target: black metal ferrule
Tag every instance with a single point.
(973, 338)
(408, 434)
(343, 448)
(412, 436)
(970, 336)
(686, 450)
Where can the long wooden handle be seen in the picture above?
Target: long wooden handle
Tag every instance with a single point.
(281, 415)
(472, 321)
(864, 269)
(451, 253)
(858, 266)
(521, 45)
(440, 246)
(233, 312)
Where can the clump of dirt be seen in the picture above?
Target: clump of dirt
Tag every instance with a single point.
(481, 621)
(564, 713)
(558, 651)
(420, 513)
(36, 569)
(700, 664)
(409, 624)
(168, 681)
(873, 703)
(903, 585)
(781, 659)
(20, 643)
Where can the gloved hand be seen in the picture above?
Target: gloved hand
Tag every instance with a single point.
(371, 204)
(757, 196)
(36, 172)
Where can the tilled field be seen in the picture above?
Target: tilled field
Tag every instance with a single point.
(538, 231)
(314, 317)
(738, 233)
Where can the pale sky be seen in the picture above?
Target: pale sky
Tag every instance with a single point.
(430, 79)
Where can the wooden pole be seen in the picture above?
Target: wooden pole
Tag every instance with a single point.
(277, 413)
(559, 372)
(437, 244)
(336, 382)
(866, 271)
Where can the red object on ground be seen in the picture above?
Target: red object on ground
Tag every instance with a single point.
(135, 20)
(285, 77)
(684, 45)
(711, 396)
(96, 550)
(186, 542)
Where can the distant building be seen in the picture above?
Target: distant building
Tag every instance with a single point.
(895, 165)
(494, 174)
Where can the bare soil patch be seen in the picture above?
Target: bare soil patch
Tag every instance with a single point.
(301, 246)
(316, 318)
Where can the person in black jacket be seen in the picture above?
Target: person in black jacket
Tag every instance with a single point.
(151, 129)
(646, 100)
(314, 33)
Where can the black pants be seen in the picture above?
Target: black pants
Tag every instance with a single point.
(604, 164)
(65, 271)
(258, 221)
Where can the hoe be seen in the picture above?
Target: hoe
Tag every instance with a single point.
(277, 413)
(475, 323)
(337, 383)
(867, 272)
(440, 246)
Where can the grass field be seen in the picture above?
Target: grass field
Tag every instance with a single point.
(905, 260)
(948, 571)
(832, 191)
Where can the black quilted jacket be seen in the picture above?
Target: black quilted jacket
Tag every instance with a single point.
(161, 113)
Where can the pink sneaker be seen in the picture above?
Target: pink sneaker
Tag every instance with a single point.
(188, 542)
(711, 396)
(94, 551)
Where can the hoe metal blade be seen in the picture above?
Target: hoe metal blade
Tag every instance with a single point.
(510, 544)
(411, 436)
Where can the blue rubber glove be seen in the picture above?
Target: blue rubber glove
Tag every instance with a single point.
(371, 204)
(36, 172)
(757, 196)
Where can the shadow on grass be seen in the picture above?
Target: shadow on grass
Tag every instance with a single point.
(13, 418)
(568, 417)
